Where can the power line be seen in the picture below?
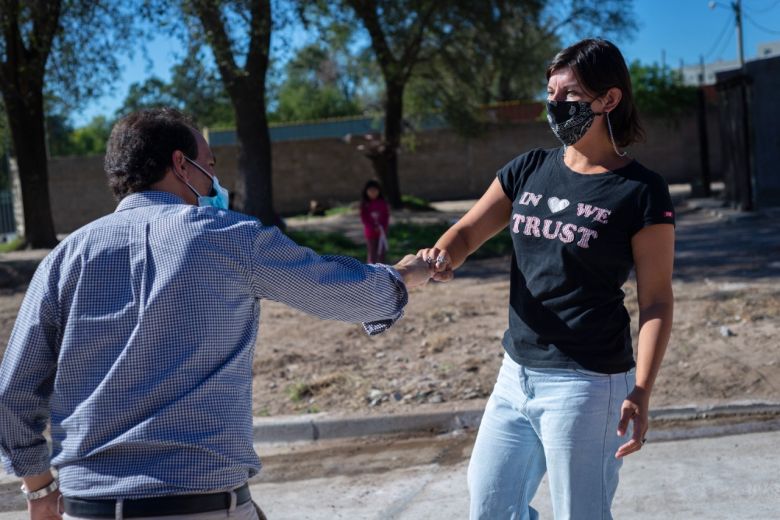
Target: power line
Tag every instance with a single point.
(759, 26)
(719, 38)
(762, 11)
(725, 44)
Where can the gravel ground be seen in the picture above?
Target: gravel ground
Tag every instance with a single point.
(447, 349)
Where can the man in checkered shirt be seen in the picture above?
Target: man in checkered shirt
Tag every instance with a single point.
(137, 333)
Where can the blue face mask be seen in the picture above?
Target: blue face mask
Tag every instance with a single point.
(219, 200)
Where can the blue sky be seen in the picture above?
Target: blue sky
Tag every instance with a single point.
(686, 29)
(672, 30)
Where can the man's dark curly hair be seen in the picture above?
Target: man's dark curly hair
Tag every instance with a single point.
(141, 145)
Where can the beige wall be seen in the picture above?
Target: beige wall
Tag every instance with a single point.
(440, 166)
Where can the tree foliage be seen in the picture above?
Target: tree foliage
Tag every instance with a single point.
(399, 36)
(324, 79)
(238, 32)
(500, 51)
(89, 139)
(449, 57)
(660, 91)
(66, 49)
(193, 88)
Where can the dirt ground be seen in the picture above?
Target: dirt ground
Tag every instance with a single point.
(447, 349)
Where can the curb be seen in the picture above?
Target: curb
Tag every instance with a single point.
(322, 426)
(759, 417)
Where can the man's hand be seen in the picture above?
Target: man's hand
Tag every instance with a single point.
(46, 508)
(415, 271)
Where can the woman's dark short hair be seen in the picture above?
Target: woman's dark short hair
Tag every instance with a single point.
(141, 146)
(598, 65)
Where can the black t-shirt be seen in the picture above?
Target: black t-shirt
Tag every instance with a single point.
(572, 254)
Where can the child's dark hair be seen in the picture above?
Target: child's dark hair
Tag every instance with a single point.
(371, 184)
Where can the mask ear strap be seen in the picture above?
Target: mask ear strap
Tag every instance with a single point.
(612, 138)
(182, 179)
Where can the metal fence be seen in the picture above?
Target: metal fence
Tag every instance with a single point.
(7, 222)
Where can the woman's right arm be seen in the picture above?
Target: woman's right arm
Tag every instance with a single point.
(486, 218)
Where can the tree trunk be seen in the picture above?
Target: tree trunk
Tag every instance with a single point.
(386, 162)
(25, 118)
(254, 186)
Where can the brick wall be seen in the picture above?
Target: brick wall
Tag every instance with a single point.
(439, 166)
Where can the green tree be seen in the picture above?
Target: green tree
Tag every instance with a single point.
(398, 34)
(325, 79)
(314, 88)
(58, 134)
(91, 138)
(152, 93)
(28, 33)
(53, 43)
(500, 52)
(241, 29)
(458, 54)
(201, 93)
(194, 89)
(660, 91)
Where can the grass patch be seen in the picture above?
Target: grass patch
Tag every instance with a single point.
(403, 239)
(304, 390)
(14, 245)
(328, 243)
(299, 391)
(416, 203)
(340, 210)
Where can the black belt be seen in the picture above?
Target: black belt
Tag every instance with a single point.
(157, 506)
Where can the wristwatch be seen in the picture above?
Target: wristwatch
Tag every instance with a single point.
(35, 495)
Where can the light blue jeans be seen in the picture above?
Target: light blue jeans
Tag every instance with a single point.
(560, 421)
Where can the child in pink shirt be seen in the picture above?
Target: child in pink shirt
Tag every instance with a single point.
(375, 215)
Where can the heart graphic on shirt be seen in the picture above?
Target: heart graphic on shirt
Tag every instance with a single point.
(555, 204)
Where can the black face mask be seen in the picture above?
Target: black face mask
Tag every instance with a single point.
(569, 120)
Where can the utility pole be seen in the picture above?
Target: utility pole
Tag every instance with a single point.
(736, 5)
(744, 182)
(747, 198)
(704, 147)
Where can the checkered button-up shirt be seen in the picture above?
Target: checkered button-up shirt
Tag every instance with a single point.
(137, 334)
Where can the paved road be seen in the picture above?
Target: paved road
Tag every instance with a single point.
(731, 477)
(719, 478)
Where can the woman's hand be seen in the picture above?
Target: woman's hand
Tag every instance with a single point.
(440, 261)
(635, 408)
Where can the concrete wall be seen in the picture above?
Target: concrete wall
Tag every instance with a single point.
(439, 166)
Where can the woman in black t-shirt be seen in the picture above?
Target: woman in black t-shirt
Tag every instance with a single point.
(581, 217)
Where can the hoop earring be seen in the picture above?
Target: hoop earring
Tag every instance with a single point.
(612, 138)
